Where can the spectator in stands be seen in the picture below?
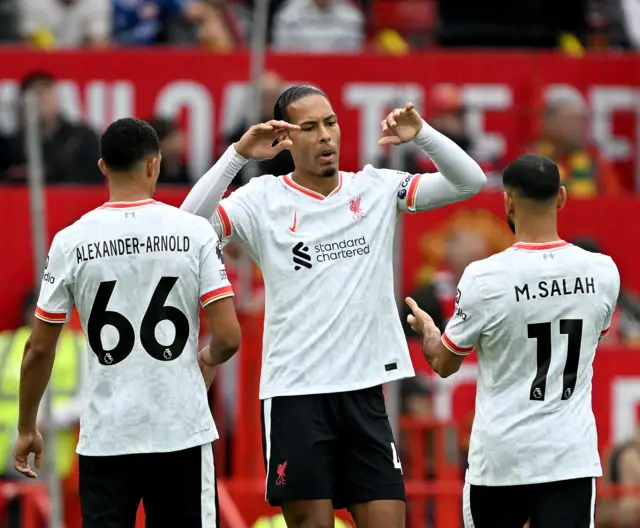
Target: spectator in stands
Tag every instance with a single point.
(145, 22)
(65, 23)
(625, 323)
(69, 151)
(228, 26)
(8, 22)
(319, 26)
(173, 170)
(584, 170)
(439, 295)
(283, 162)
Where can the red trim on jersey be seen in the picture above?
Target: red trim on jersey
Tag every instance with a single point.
(413, 191)
(224, 219)
(540, 247)
(50, 317)
(125, 205)
(309, 192)
(453, 347)
(605, 331)
(216, 295)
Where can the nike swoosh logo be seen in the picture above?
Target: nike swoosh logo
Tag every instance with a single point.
(295, 222)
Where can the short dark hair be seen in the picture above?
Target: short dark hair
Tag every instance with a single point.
(164, 127)
(36, 77)
(532, 176)
(126, 142)
(291, 95)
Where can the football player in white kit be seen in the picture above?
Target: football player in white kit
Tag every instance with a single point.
(324, 242)
(534, 314)
(137, 271)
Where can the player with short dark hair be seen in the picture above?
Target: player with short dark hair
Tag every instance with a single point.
(324, 242)
(137, 270)
(127, 142)
(535, 314)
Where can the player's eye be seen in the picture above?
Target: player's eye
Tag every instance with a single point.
(307, 128)
(332, 123)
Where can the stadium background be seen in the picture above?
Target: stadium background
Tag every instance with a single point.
(562, 80)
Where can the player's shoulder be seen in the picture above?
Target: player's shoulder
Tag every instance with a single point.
(601, 264)
(385, 177)
(256, 188)
(175, 214)
(489, 275)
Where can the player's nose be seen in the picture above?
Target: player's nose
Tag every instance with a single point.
(324, 135)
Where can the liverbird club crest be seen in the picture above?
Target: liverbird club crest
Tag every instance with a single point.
(354, 207)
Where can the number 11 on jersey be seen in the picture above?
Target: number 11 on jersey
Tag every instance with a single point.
(541, 332)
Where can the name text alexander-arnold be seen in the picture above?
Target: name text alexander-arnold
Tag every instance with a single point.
(132, 246)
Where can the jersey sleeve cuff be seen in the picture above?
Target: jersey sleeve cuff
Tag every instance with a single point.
(413, 192)
(216, 295)
(51, 317)
(224, 221)
(458, 350)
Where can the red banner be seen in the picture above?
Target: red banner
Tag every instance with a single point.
(616, 392)
(612, 222)
(503, 91)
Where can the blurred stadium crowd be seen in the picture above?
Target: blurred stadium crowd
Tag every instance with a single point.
(70, 148)
(322, 25)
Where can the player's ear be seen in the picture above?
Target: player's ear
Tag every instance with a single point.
(508, 203)
(102, 167)
(562, 197)
(153, 167)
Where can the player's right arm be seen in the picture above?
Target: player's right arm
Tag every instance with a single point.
(53, 308)
(216, 297)
(445, 352)
(255, 144)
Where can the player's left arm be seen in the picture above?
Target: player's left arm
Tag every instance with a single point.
(459, 176)
(53, 308)
(445, 352)
(613, 292)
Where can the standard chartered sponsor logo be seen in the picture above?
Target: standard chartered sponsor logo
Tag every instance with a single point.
(328, 252)
(341, 250)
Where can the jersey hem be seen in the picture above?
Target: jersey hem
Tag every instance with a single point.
(197, 441)
(330, 389)
(534, 480)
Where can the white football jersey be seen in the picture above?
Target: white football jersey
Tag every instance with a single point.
(137, 273)
(331, 319)
(535, 314)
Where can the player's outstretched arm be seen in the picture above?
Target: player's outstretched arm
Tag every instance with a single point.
(442, 361)
(255, 144)
(459, 176)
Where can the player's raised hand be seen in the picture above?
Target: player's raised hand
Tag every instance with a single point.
(25, 445)
(419, 320)
(257, 142)
(400, 126)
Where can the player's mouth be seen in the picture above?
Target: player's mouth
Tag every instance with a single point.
(328, 156)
